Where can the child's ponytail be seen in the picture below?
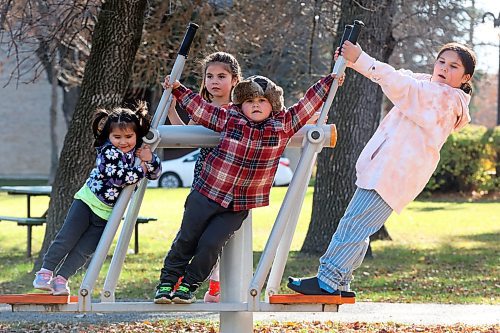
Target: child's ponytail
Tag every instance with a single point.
(466, 87)
(144, 120)
(98, 123)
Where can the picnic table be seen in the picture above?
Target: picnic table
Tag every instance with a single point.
(30, 221)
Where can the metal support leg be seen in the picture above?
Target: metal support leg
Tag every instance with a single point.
(28, 240)
(88, 283)
(115, 268)
(276, 274)
(136, 238)
(236, 273)
(291, 197)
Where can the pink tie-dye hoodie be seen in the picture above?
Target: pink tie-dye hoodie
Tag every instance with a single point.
(400, 158)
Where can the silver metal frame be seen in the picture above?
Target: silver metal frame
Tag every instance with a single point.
(242, 290)
(236, 263)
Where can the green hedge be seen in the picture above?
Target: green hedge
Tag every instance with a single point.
(469, 161)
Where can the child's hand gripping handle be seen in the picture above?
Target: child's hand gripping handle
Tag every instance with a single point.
(166, 98)
(351, 33)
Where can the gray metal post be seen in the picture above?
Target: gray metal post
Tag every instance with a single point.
(88, 283)
(115, 268)
(278, 267)
(292, 195)
(236, 273)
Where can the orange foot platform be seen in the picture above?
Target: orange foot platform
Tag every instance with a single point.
(310, 299)
(37, 299)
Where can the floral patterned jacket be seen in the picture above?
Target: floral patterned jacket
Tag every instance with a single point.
(114, 170)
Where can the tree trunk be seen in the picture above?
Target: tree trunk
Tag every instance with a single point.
(356, 112)
(71, 90)
(107, 74)
(70, 98)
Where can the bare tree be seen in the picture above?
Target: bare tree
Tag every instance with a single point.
(107, 75)
(41, 35)
(420, 27)
(288, 42)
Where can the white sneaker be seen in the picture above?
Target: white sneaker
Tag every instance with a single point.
(60, 286)
(43, 279)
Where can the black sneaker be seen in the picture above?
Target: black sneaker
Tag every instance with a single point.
(347, 294)
(164, 293)
(309, 286)
(184, 294)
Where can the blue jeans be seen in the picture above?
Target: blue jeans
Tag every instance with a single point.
(365, 215)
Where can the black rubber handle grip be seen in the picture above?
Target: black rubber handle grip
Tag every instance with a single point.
(188, 39)
(345, 35)
(356, 29)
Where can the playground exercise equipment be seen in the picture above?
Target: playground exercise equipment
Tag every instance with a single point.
(241, 288)
(280, 239)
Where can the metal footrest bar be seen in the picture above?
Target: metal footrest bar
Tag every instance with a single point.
(194, 307)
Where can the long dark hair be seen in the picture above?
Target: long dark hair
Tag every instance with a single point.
(224, 58)
(468, 58)
(104, 121)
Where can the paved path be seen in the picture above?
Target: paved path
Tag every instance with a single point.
(403, 313)
(426, 314)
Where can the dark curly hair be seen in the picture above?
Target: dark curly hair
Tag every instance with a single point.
(104, 121)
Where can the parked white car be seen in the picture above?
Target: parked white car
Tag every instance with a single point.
(179, 172)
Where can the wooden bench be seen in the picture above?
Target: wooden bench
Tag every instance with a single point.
(140, 219)
(29, 222)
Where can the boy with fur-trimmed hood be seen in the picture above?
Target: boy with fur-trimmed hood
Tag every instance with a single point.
(236, 176)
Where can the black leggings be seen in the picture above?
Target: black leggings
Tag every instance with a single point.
(76, 241)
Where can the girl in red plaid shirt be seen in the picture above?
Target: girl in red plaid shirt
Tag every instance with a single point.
(237, 174)
(221, 72)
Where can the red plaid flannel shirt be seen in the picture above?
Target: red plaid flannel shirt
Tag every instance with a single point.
(241, 169)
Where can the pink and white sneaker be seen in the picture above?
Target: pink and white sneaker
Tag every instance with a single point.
(43, 280)
(60, 286)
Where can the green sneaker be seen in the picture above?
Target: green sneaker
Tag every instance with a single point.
(164, 293)
(184, 294)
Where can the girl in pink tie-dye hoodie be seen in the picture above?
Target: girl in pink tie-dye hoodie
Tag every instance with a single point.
(399, 159)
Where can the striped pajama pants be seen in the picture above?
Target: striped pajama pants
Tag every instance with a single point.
(365, 215)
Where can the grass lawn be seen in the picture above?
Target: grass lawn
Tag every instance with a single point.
(445, 252)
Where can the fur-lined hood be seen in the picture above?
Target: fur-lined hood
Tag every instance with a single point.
(257, 86)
